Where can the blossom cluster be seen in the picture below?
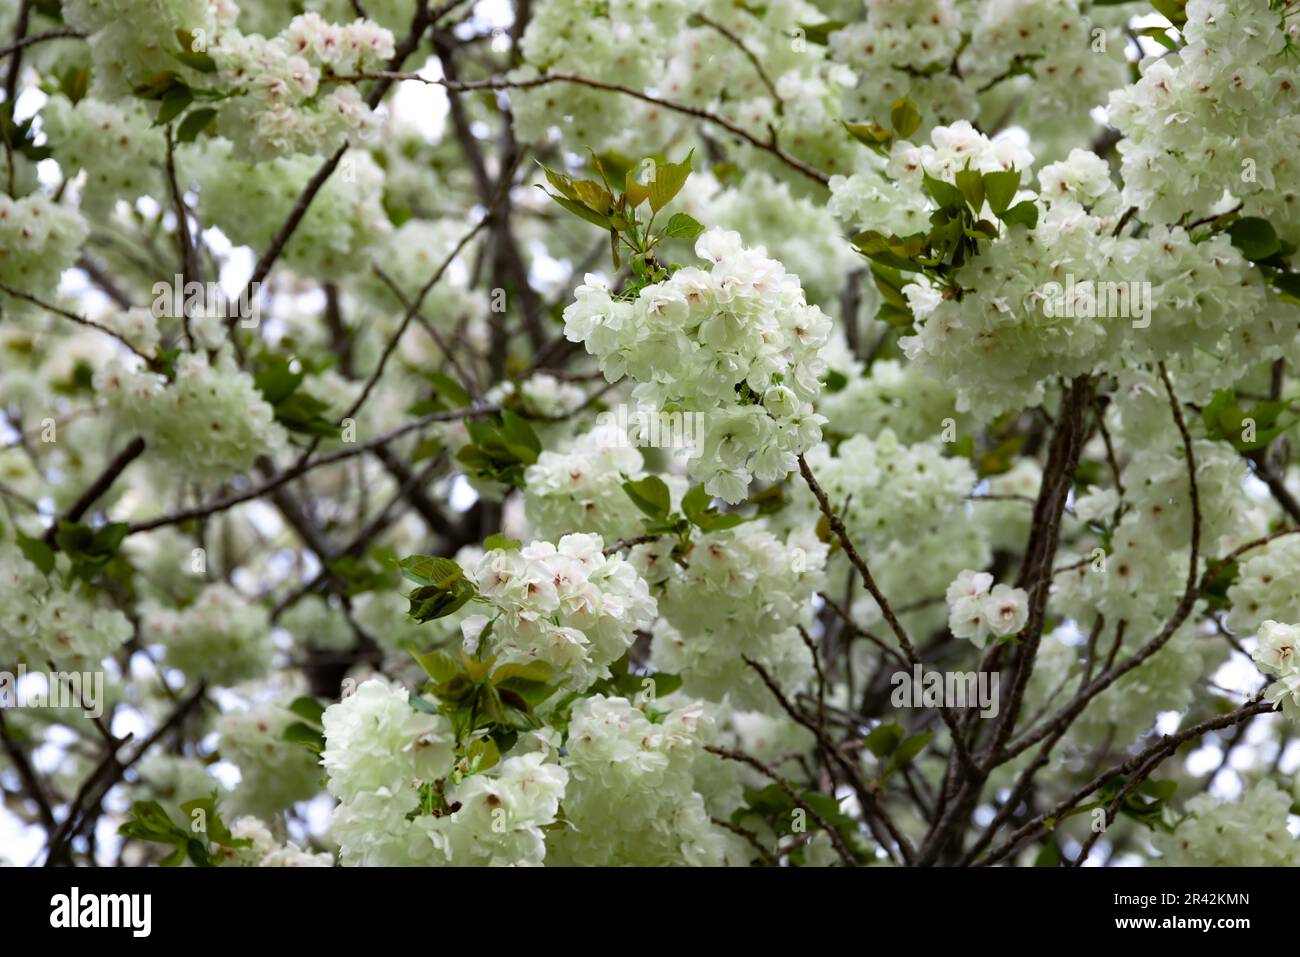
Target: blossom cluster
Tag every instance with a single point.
(632, 797)
(387, 761)
(895, 396)
(265, 851)
(273, 97)
(112, 142)
(1249, 831)
(1266, 586)
(978, 609)
(1276, 654)
(1216, 117)
(249, 201)
(581, 490)
(282, 104)
(566, 604)
(627, 41)
(221, 635)
(40, 240)
(209, 422)
(884, 490)
(741, 593)
(737, 344)
(43, 620)
(1015, 320)
(275, 772)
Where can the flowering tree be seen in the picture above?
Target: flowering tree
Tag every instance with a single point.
(649, 432)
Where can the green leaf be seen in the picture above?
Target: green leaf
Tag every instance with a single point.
(520, 437)
(195, 122)
(438, 665)
(594, 196)
(651, 495)
(1159, 34)
(1001, 457)
(302, 733)
(356, 575)
(871, 134)
(173, 104)
(431, 570)
(1225, 420)
(895, 252)
(302, 412)
(149, 822)
(275, 378)
(635, 192)
(682, 226)
(527, 671)
(904, 117)
(1288, 284)
(425, 449)
(819, 33)
(909, 749)
(1024, 213)
(194, 59)
(696, 502)
(499, 541)
(697, 506)
(770, 801)
(450, 389)
(561, 181)
(578, 209)
(216, 830)
(37, 552)
(668, 182)
(1049, 856)
(1175, 11)
(523, 694)
(1255, 237)
(475, 669)
(155, 85)
(971, 184)
(944, 193)
(883, 739)
(89, 549)
(309, 709)
(1000, 189)
(629, 685)
(1160, 790)
(431, 601)
(585, 197)
(665, 684)
(482, 755)
(74, 82)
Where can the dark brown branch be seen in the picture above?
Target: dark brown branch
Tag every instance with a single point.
(498, 83)
(80, 320)
(130, 452)
(106, 775)
(845, 854)
(301, 468)
(27, 775)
